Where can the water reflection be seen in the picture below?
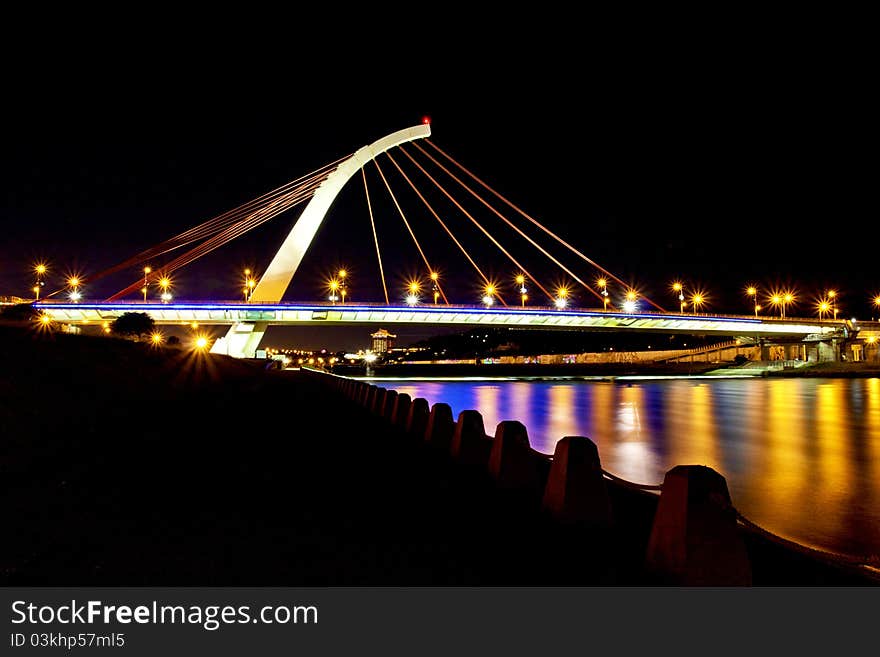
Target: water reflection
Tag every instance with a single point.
(801, 456)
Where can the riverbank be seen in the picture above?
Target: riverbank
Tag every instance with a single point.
(529, 371)
(610, 370)
(129, 465)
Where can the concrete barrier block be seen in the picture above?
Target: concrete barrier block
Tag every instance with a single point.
(388, 404)
(377, 396)
(512, 461)
(440, 427)
(400, 412)
(695, 540)
(470, 445)
(367, 398)
(417, 420)
(576, 492)
(380, 401)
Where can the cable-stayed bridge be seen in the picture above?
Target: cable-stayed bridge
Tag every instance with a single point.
(548, 306)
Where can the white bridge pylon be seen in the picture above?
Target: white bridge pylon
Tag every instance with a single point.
(243, 339)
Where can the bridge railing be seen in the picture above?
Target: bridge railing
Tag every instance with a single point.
(239, 303)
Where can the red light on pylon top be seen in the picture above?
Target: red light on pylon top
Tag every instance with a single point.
(426, 120)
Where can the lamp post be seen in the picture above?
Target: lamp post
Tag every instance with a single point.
(630, 304)
(832, 297)
(246, 287)
(788, 298)
(435, 286)
(147, 271)
(334, 287)
(678, 287)
(165, 283)
(776, 300)
(561, 300)
(602, 283)
(342, 287)
(489, 296)
(40, 270)
(73, 282)
(521, 281)
(697, 300)
(413, 289)
(752, 291)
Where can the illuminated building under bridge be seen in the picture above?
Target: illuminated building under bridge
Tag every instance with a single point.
(381, 341)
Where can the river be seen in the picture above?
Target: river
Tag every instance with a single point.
(801, 456)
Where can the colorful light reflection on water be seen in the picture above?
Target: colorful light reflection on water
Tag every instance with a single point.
(801, 456)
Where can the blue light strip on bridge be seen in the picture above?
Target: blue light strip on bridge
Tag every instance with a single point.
(467, 310)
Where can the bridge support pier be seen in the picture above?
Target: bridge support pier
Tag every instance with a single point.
(242, 340)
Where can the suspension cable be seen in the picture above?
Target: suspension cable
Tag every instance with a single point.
(221, 221)
(589, 288)
(475, 222)
(437, 217)
(536, 222)
(409, 228)
(375, 238)
(256, 218)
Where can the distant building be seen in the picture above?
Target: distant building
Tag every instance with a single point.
(381, 341)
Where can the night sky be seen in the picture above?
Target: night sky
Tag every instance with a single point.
(717, 161)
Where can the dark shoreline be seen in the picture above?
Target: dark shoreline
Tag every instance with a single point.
(132, 465)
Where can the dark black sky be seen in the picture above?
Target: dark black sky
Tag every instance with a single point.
(720, 157)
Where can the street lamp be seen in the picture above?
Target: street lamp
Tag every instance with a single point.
(788, 298)
(147, 271)
(40, 270)
(823, 307)
(776, 300)
(752, 291)
(435, 286)
(877, 301)
(249, 284)
(73, 282)
(489, 296)
(604, 285)
(629, 305)
(413, 288)
(521, 281)
(697, 300)
(832, 297)
(678, 287)
(561, 298)
(165, 283)
(334, 287)
(342, 289)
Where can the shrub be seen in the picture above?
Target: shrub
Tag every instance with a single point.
(20, 312)
(133, 324)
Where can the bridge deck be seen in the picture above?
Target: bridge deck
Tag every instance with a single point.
(227, 313)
